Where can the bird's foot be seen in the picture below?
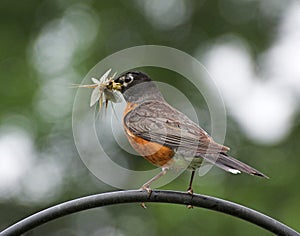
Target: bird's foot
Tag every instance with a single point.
(147, 188)
(149, 191)
(191, 192)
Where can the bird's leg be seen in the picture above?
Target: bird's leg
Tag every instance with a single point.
(146, 186)
(190, 189)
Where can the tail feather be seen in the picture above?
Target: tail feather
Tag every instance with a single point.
(232, 165)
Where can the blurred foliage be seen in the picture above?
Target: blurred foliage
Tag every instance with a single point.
(36, 104)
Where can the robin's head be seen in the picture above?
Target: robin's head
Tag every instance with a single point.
(129, 79)
(136, 86)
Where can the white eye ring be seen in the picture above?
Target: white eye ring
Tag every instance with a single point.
(127, 80)
(130, 76)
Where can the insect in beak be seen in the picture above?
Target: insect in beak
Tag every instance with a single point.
(104, 90)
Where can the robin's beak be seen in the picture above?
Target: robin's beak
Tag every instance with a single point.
(114, 86)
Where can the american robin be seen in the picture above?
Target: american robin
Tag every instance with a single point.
(157, 131)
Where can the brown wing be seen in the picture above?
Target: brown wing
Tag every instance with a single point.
(158, 122)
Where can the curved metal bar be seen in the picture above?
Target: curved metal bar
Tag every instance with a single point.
(132, 196)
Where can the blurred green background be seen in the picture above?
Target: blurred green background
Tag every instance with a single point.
(250, 47)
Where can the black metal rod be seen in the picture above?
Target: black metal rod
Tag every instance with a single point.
(131, 196)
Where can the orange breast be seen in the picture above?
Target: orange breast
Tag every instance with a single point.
(155, 153)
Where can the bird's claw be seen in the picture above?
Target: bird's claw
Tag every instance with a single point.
(147, 188)
(190, 191)
(149, 191)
